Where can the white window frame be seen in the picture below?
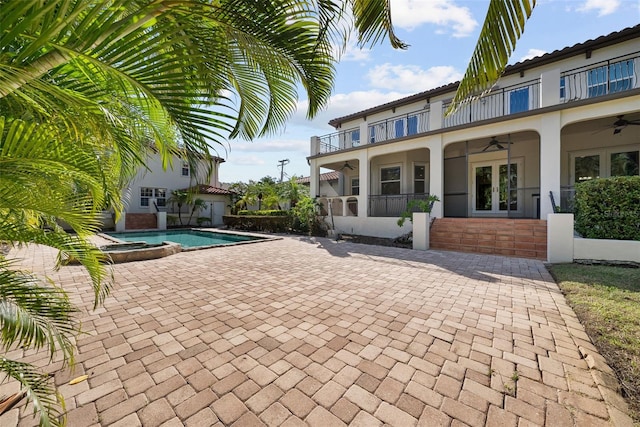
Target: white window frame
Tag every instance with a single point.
(605, 159)
(353, 185)
(389, 166)
(426, 176)
(160, 194)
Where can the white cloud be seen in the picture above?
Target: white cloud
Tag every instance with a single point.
(340, 104)
(354, 53)
(410, 14)
(532, 53)
(411, 77)
(270, 146)
(246, 160)
(603, 7)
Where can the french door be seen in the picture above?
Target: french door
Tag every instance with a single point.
(494, 189)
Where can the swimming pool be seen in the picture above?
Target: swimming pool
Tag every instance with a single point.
(188, 239)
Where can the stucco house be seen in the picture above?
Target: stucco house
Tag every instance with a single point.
(549, 122)
(150, 192)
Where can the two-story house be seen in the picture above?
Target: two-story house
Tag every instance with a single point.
(549, 123)
(151, 190)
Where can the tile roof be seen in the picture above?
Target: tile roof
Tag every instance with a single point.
(328, 176)
(209, 189)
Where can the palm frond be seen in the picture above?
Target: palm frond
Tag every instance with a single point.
(34, 315)
(503, 26)
(48, 404)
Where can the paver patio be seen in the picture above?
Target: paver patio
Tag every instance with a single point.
(314, 332)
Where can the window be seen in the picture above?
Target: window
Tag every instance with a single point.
(146, 193)
(587, 168)
(185, 169)
(412, 125)
(377, 132)
(399, 126)
(621, 76)
(390, 180)
(419, 178)
(355, 186)
(604, 163)
(355, 137)
(519, 100)
(563, 88)
(625, 163)
(597, 81)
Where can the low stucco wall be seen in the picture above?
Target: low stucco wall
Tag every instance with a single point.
(376, 227)
(606, 250)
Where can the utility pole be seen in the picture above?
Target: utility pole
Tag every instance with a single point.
(281, 164)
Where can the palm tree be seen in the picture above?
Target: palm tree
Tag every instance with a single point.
(196, 206)
(87, 87)
(180, 198)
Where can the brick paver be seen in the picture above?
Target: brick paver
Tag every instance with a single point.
(314, 332)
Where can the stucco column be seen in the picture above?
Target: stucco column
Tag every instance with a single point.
(314, 179)
(435, 115)
(550, 150)
(436, 173)
(363, 175)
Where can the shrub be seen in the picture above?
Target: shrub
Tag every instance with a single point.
(269, 224)
(608, 208)
(264, 212)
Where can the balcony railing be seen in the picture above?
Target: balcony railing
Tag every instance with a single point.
(399, 126)
(500, 102)
(611, 76)
(391, 205)
(340, 140)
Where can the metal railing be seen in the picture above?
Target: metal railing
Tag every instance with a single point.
(399, 126)
(500, 102)
(391, 205)
(611, 76)
(567, 197)
(340, 140)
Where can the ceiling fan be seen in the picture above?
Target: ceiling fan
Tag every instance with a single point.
(622, 123)
(494, 143)
(346, 166)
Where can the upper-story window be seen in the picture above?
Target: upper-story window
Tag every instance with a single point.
(390, 180)
(378, 132)
(617, 76)
(185, 168)
(597, 81)
(621, 76)
(519, 100)
(355, 137)
(563, 88)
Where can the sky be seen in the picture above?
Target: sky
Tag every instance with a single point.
(442, 35)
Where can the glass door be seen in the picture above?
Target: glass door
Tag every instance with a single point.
(495, 190)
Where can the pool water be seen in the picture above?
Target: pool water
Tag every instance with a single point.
(186, 238)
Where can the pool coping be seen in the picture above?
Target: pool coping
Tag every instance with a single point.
(170, 248)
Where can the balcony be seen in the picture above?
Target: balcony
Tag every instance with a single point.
(498, 103)
(615, 75)
(606, 77)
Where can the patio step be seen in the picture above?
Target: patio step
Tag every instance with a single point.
(499, 236)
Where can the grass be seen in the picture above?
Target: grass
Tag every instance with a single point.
(607, 302)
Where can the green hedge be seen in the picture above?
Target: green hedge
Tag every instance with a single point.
(608, 208)
(264, 212)
(269, 224)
